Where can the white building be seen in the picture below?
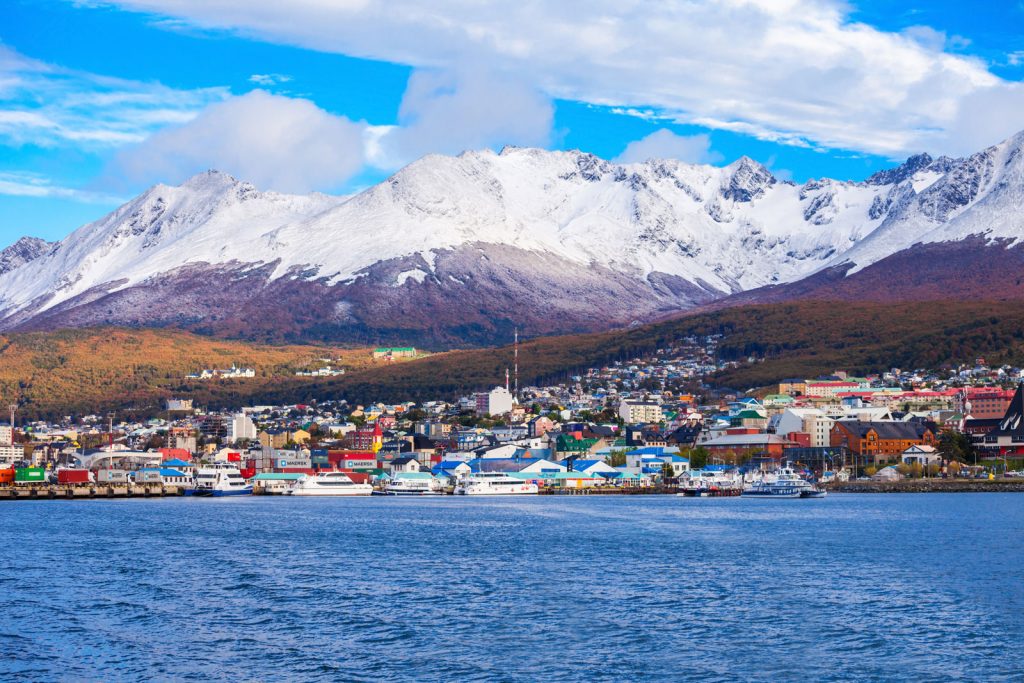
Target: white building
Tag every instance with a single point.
(637, 412)
(497, 401)
(241, 426)
(10, 454)
(6, 435)
(808, 421)
(921, 453)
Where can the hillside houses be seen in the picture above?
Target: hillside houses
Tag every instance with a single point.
(632, 420)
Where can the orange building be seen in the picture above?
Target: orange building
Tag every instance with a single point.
(879, 441)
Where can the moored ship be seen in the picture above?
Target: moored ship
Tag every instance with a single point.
(494, 484)
(787, 485)
(328, 484)
(219, 481)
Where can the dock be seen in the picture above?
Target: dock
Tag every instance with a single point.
(87, 491)
(607, 490)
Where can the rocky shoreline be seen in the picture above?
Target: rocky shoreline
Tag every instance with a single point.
(929, 486)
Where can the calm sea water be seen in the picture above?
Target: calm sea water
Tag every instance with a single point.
(854, 587)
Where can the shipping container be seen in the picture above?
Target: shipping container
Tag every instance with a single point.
(148, 477)
(73, 476)
(359, 477)
(30, 475)
(112, 476)
(7, 476)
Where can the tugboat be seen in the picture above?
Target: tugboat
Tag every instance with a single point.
(787, 485)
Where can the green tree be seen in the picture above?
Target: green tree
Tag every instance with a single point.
(698, 457)
(957, 447)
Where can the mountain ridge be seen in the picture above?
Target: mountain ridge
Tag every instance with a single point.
(456, 251)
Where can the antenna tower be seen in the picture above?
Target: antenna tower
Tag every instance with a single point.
(515, 356)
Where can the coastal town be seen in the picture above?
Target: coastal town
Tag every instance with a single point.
(651, 423)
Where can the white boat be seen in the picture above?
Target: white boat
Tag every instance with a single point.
(219, 481)
(493, 484)
(709, 483)
(414, 484)
(328, 484)
(786, 485)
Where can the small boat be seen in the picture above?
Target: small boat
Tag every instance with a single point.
(414, 484)
(787, 485)
(328, 484)
(494, 484)
(709, 484)
(219, 481)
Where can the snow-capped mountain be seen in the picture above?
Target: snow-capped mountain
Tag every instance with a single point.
(21, 252)
(458, 250)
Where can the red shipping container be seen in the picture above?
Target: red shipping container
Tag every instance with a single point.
(359, 477)
(72, 476)
(234, 457)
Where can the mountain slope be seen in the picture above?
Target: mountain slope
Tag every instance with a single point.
(21, 252)
(454, 251)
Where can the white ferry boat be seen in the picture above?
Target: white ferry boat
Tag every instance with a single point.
(493, 484)
(414, 484)
(787, 485)
(328, 484)
(219, 481)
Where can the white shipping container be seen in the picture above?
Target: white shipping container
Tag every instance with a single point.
(112, 476)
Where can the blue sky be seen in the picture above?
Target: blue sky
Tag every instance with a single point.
(100, 99)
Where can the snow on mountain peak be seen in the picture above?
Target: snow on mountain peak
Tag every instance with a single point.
(712, 229)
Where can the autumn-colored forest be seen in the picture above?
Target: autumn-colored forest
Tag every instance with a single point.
(80, 371)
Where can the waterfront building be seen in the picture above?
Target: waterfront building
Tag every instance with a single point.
(880, 441)
(1008, 436)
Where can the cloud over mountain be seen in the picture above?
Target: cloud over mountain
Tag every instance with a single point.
(803, 73)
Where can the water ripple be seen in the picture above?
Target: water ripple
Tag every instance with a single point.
(589, 588)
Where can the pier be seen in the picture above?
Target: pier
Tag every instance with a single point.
(83, 491)
(607, 490)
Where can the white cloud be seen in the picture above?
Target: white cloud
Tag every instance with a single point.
(276, 142)
(48, 106)
(798, 72)
(987, 116)
(24, 184)
(267, 80)
(448, 112)
(664, 144)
